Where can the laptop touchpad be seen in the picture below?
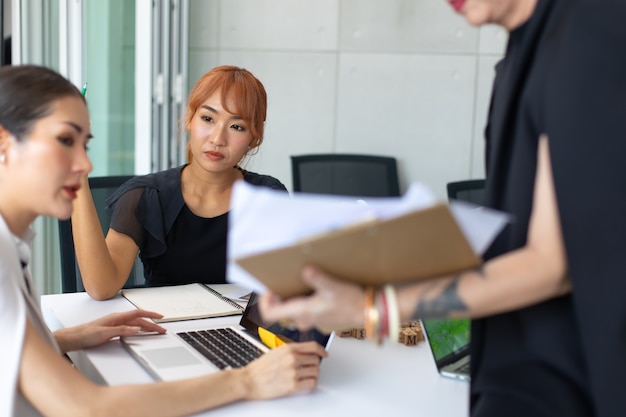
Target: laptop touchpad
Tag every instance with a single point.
(170, 357)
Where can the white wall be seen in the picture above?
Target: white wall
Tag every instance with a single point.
(405, 78)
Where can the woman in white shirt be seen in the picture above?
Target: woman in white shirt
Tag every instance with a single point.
(44, 131)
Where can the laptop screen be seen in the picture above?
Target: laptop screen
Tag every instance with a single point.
(251, 320)
(447, 337)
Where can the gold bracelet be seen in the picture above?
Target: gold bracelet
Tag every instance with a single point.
(370, 313)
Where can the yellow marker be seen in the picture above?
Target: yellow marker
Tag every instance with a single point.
(269, 339)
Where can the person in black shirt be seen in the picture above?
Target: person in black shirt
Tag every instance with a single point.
(548, 310)
(177, 219)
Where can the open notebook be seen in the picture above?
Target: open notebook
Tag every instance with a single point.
(179, 355)
(182, 302)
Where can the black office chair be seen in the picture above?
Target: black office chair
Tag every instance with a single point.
(101, 189)
(467, 190)
(345, 174)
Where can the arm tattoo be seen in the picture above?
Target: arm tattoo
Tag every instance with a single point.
(481, 271)
(440, 305)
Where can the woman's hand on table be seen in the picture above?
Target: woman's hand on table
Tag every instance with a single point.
(105, 328)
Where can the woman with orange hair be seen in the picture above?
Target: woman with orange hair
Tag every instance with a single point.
(177, 219)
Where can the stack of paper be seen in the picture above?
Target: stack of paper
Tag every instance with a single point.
(273, 235)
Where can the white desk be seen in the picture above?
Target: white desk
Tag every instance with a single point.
(358, 378)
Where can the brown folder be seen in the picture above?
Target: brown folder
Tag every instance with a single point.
(417, 245)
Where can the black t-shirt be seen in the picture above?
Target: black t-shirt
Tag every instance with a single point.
(197, 244)
(175, 245)
(563, 76)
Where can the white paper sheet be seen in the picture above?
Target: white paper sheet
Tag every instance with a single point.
(262, 219)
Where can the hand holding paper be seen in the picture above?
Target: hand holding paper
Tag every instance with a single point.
(273, 235)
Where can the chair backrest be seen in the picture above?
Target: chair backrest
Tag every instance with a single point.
(101, 189)
(467, 190)
(345, 174)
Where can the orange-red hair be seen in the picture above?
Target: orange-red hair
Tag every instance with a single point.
(245, 91)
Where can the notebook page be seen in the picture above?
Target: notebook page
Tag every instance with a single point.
(182, 302)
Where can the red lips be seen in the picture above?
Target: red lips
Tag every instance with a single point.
(71, 190)
(457, 4)
(214, 156)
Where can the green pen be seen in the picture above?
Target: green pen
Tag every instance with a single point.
(83, 90)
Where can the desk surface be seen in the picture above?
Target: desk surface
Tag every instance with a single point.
(358, 378)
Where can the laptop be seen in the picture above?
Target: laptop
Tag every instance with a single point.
(449, 343)
(185, 354)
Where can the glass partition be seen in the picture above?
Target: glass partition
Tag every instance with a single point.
(135, 95)
(110, 75)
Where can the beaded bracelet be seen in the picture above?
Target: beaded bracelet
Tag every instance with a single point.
(381, 305)
(381, 315)
(393, 312)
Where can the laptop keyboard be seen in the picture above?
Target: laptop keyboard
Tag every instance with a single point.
(223, 347)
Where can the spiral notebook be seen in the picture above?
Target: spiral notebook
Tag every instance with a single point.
(182, 302)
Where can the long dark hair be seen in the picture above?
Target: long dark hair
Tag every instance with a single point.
(26, 95)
